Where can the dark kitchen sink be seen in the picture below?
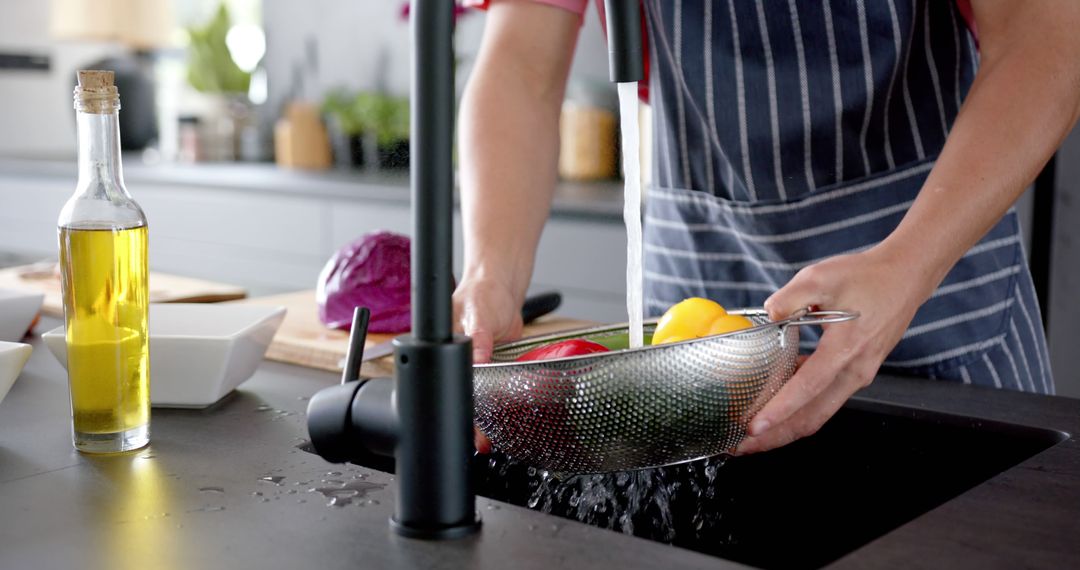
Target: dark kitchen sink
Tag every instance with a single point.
(869, 470)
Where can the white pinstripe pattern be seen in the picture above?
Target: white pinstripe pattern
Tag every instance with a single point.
(680, 108)
(774, 114)
(945, 354)
(740, 99)
(957, 319)
(912, 119)
(975, 282)
(1038, 348)
(892, 82)
(790, 236)
(797, 265)
(1012, 364)
(934, 79)
(710, 112)
(990, 367)
(663, 174)
(709, 284)
(682, 84)
(868, 71)
(964, 376)
(1023, 352)
(838, 99)
(957, 67)
(804, 93)
(816, 198)
(744, 258)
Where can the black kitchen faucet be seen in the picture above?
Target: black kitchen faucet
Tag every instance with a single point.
(424, 417)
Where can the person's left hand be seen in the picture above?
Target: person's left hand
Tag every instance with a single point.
(886, 293)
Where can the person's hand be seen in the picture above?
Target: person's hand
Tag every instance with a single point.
(488, 312)
(885, 292)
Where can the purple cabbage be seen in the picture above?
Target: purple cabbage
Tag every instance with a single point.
(372, 272)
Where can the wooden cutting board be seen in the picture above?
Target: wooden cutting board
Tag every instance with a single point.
(303, 340)
(164, 288)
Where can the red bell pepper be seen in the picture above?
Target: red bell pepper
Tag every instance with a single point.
(572, 347)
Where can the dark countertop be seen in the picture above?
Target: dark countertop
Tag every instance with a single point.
(192, 500)
(595, 200)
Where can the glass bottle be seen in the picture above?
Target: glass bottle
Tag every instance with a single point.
(103, 262)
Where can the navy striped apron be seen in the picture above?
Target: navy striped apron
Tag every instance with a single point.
(787, 132)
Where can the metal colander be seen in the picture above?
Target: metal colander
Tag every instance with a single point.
(636, 408)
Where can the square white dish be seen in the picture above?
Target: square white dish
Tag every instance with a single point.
(198, 352)
(17, 310)
(13, 356)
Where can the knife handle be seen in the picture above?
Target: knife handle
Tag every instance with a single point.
(536, 306)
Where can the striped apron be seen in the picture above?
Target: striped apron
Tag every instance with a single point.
(787, 132)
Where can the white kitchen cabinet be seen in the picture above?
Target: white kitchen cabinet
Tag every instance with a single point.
(272, 231)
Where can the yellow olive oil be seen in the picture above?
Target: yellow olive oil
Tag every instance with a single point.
(106, 301)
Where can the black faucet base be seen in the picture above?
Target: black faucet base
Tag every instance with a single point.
(434, 401)
(441, 533)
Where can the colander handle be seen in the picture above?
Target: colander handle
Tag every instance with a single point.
(808, 317)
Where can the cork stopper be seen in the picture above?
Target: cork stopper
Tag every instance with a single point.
(96, 92)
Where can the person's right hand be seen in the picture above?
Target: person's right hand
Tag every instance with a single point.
(488, 312)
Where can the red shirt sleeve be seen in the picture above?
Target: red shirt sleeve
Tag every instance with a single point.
(575, 6)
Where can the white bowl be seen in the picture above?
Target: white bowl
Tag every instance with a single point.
(198, 353)
(13, 357)
(17, 311)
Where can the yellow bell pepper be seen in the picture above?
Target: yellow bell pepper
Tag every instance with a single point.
(694, 318)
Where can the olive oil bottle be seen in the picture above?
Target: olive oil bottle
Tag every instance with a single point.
(103, 261)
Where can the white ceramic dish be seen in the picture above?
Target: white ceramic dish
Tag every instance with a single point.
(17, 311)
(198, 353)
(13, 356)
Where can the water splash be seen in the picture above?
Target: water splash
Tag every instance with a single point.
(638, 503)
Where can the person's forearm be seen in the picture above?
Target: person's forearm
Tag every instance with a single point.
(509, 129)
(1024, 100)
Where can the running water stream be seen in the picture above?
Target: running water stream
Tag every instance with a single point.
(631, 159)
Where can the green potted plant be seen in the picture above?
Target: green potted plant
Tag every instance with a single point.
(366, 118)
(391, 116)
(346, 113)
(212, 71)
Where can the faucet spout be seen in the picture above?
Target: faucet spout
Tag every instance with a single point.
(625, 47)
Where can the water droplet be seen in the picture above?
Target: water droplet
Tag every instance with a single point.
(493, 507)
(303, 398)
(147, 456)
(333, 473)
(333, 481)
(291, 491)
(532, 527)
(301, 500)
(346, 493)
(207, 509)
(212, 489)
(256, 493)
(263, 408)
(275, 479)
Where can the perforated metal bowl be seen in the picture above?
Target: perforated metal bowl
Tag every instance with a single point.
(636, 408)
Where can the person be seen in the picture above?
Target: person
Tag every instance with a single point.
(846, 154)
